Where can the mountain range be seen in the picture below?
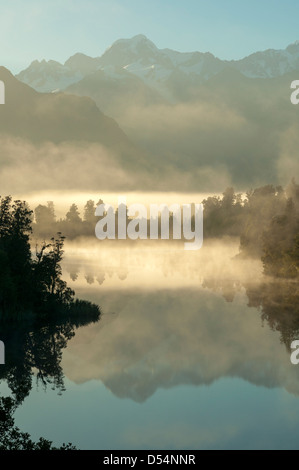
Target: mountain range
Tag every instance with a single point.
(158, 69)
(143, 118)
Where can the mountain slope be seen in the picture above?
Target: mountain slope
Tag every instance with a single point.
(55, 117)
(116, 90)
(62, 141)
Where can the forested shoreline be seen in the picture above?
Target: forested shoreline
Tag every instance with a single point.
(38, 316)
(31, 286)
(265, 219)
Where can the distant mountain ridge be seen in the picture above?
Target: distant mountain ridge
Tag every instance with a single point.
(178, 120)
(60, 140)
(55, 117)
(139, 57)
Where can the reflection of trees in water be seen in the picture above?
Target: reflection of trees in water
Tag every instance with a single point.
(99, 275)
(279, 304)
(227, 288)
(11, 438)
(73, 270)
(162, 259)
(89, 278)
(277, 300)
(38, 349)
(33, 351)
(101, 278)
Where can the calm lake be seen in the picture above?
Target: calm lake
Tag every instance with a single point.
(189, 353)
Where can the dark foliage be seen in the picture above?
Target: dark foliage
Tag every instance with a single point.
(31, 286)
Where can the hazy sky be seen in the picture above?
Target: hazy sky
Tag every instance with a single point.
(55, 29)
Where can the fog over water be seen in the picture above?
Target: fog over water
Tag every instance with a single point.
(151, 264)
(170, 317)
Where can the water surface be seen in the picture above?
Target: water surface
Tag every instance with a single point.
(190, 353)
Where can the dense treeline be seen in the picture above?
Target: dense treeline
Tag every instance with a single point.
(266, 220)
(31, 285)
(72, 225)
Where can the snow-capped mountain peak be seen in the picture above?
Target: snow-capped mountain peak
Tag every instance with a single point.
(138, 56)
(136, 42)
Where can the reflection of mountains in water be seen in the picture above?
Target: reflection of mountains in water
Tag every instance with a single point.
(174, 337)
(163, 338)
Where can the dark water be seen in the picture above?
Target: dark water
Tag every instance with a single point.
(191, 352)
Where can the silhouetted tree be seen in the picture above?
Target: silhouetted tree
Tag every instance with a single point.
(12, 438)
(73, 215)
